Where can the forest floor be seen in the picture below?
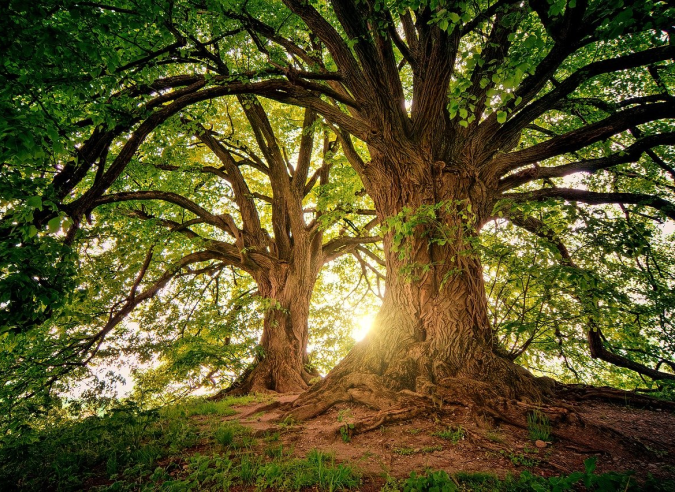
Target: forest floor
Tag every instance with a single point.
(622, 438)
(246, 444)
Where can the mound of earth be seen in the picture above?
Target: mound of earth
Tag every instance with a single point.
(621, 437)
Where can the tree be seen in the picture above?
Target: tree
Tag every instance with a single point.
(466, 107)
(453, 114)
(267, 190)
(285, 265)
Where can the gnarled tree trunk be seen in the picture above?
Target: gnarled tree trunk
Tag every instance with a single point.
(432, 336)
(286, 289)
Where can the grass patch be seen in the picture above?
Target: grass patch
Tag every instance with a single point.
(272, 437)
(201, 406)
(288, 423)
(452, 434)
(318, 469)
(519, 459)
(538, 426)
(277, 452)
(225, 435)
(483, 482)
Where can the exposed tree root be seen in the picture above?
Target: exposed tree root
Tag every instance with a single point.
(388, 417)
(476, 400)
(577, 392)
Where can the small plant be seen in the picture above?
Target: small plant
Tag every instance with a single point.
(438, 481)
(519, 459)
(345, 432)
(454, 435)
(275, 452)
(346, 417)
(288, 422)
(245, 441)
(528, 450)
(538, 426)
(248, 467)
(404, 451)
(224, 435)
(256, 416)
(391, 485)
(273, 437)
(318, 472)
(414, 431)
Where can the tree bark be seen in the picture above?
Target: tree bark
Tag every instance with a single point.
(286, 290)
(432, 335)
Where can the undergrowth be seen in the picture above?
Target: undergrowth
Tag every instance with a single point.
(440, 481)
(188, 447)
(538, 426)
(452, 434)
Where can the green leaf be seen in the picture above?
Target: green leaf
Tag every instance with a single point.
(501, 117)
(54, 224)
(35, 202)
(590, 464)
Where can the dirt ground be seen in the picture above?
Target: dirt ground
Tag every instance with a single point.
(623, 438)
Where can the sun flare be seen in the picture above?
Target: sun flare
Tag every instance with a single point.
(362, 326)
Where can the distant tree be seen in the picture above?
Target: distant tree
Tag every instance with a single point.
(253, 216)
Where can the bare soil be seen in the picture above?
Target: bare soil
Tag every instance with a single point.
(622, 437)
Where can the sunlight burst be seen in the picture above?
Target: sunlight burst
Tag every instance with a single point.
(362, 326)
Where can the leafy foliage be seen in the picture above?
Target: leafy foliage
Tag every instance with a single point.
(569, 104)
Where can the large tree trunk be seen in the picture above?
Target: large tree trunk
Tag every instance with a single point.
(286, 289)
(432, 331)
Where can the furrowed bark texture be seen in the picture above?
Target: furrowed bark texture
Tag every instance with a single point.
(432, 336)
(287, 288)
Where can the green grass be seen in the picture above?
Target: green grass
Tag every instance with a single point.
(126, 444)
(519, 459)
(133, 450)
(452, 434)
(484, 482)
(538, 426)
(200, 406)
(226, 435)
(404, 451)
(317, 469)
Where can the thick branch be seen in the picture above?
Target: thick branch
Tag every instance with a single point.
(596, 198)
(242, 193)
(224, 221)
(584, 136)
(630, 154)
(337, 247)
(531, 112)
